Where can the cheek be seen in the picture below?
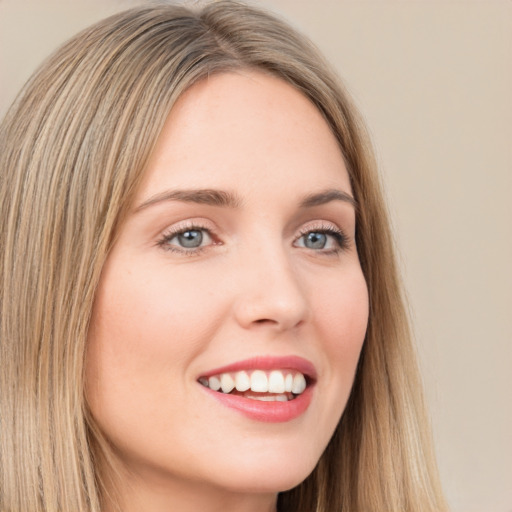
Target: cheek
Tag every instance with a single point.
(150, 312)
(342, 309)
(135, 355)
(145, 328)
(341, 318)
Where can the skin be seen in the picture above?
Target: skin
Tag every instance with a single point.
(165, 315)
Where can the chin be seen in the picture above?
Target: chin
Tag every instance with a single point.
(270, 477)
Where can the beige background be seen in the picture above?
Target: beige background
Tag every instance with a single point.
(434, 80)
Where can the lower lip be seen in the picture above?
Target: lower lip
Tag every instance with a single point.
(270, 412)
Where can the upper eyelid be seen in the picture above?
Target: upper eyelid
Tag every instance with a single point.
(212, 228)
(322, 225)
(189, 224)
(209, 226)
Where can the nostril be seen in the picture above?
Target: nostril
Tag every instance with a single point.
(279, 307)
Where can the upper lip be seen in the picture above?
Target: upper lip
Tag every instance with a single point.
(296, 363)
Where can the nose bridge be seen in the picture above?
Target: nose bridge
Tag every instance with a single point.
(270, 290)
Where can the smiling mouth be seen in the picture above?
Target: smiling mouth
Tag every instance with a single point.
(267, 386)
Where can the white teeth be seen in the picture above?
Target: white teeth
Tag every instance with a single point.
(271, 398)
(288, 383)
(214, 383)
(242, 381)
(276, 382)
(227, 383)
(280, 383)
(259, 381)
(299, 384)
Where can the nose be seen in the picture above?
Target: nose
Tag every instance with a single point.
(269, 292)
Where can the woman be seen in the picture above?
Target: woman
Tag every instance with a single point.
(200, 307)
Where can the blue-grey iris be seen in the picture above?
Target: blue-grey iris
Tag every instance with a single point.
(315, 240)
(191, 239)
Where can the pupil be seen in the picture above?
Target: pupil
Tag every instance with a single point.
(190, 239)
(316, 240)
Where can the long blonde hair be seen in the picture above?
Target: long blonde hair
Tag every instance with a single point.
(73, 149)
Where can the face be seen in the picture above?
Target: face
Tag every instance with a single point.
(237, 266)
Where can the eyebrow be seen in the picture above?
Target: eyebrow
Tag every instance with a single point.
(200, 196)
(326, 196)
(227, 199)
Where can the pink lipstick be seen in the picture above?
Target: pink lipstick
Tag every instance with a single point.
(269, 389)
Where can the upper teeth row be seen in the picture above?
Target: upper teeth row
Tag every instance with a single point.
(276, 381)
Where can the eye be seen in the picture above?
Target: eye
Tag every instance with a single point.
(190, 239)
(328, 240)
(186, 240)
(315, 240)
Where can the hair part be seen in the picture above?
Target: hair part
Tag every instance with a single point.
(73, 150)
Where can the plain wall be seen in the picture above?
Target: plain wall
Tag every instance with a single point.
(434, 80)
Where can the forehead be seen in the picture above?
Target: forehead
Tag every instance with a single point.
(243, 129)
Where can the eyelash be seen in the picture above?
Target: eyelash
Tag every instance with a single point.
(340, 238)
(179, 230)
